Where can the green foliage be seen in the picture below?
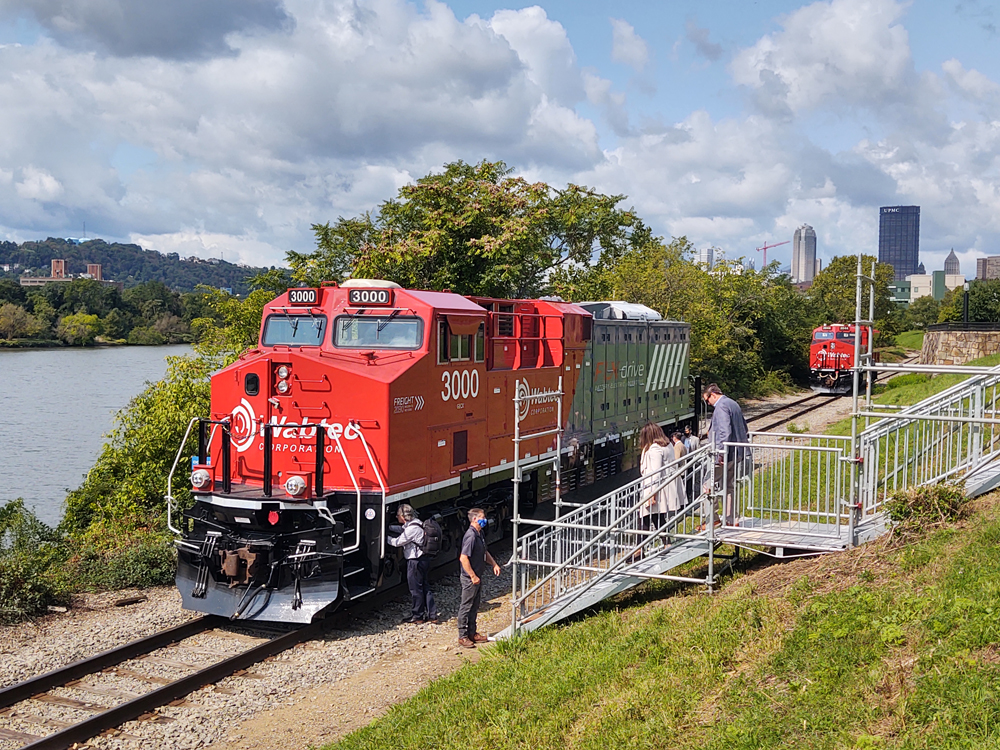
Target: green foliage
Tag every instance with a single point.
(917, 510)
(833, 293)
(474, 229)
(30, 564)
(14, 321)
(140, 558)
(923, 311)
(984, 302)
(146, 336)
(79, 329)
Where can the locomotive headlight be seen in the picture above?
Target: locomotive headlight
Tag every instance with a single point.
(200, 478)
(283, 372)
(295, 486)
(282, 386)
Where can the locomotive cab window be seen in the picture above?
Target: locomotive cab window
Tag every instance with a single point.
(453, 347)
(294, 330)
(377, 332)
(823, 335)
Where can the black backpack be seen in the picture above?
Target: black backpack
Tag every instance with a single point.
(433, 535)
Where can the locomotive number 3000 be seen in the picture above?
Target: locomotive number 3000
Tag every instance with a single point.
(459, 384)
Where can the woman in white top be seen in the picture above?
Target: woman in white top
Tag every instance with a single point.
(657, 454)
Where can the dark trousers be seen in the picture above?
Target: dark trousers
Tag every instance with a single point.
(469, 607)
(420, 589)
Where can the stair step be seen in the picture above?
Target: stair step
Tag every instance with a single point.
(352, 571)
(351, 597)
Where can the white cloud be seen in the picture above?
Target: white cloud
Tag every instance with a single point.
(38, 185)
(626, 46)
(851, 52)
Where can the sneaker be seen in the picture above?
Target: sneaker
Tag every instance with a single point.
(466, 643)
(480, 638)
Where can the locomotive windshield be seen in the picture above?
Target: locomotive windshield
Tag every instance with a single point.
(823, 335)
(294, 330)
(377, 332)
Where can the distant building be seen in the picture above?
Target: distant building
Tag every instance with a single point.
(899, 239)
(952, 265)
(706, 257)
(931, 284)
(988, 268)
(803, 254)
(58, 275)
(900, 291)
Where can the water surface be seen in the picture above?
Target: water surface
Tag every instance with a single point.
(56, 407)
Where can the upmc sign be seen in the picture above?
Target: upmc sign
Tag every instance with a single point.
(890, 210)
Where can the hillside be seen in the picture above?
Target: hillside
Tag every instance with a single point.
(129, 264)
(891, 645)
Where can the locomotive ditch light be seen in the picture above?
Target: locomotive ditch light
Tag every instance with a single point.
(282, 386)
(295, 486)
(200, 478)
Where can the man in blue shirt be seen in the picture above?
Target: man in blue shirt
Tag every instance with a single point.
(474, 558)
(728, 426)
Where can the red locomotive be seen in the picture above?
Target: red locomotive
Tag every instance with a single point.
(366, 395)
(831, 357)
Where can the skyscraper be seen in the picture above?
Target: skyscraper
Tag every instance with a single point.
(803, 254)
(706, 257)
(952, 266)
(899, 239)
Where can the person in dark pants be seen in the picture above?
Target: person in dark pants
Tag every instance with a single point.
(728, 426)
(474, 559)
(410, 538)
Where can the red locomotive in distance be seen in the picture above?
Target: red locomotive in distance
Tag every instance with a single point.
(831, 357)
(366, 395)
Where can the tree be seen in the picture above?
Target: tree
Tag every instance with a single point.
(79, 329)
(833, 292)
(472, 229)
(14, 321)
(923, 311)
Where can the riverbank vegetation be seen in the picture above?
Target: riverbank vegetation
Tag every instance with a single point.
(83, 312)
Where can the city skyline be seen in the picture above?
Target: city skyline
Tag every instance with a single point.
(899, 239)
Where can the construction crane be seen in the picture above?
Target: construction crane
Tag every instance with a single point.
(768, 247)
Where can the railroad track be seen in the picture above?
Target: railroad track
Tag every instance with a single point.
(74, 700)
(72, 704)
(811, 403)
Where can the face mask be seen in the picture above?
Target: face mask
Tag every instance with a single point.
(481, 522)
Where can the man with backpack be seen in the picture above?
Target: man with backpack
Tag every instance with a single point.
(420, 543)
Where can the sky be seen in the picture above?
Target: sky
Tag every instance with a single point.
(228, 128)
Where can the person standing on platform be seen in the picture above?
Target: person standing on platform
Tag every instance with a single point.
(728, 426)
(473, 558)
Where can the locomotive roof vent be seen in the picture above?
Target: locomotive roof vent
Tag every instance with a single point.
(370, 284)
(617, 310)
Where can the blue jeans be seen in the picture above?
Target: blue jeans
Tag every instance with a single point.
(420, 590)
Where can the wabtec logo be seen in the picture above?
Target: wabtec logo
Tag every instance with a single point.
(247, 428)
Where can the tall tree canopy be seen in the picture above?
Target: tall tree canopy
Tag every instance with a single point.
(475, 229)
(833, 293)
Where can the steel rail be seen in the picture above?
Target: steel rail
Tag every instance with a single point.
(135, 708)
(22, 691)
(799, 413)
(779, 409)
(117, 715)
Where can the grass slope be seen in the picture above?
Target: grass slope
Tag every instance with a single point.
(874, 648)
(910, 339)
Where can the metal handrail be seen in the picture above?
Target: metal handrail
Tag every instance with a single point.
(170, 495)
(378, 476)
(357, 489)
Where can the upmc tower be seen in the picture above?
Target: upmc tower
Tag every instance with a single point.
(899, 239)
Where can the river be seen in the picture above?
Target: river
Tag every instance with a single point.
(56, 408)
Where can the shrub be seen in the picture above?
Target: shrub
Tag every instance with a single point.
(31, 564)
(137, 559)
(922, 508)
(911, 378)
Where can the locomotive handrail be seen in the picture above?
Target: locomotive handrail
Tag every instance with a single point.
(378, 475)
(357, 489)
(170, 477)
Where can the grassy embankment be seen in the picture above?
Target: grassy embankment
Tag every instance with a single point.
(910, 340)
(890, 645)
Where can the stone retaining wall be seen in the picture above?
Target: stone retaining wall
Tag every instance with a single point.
(958, 347)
